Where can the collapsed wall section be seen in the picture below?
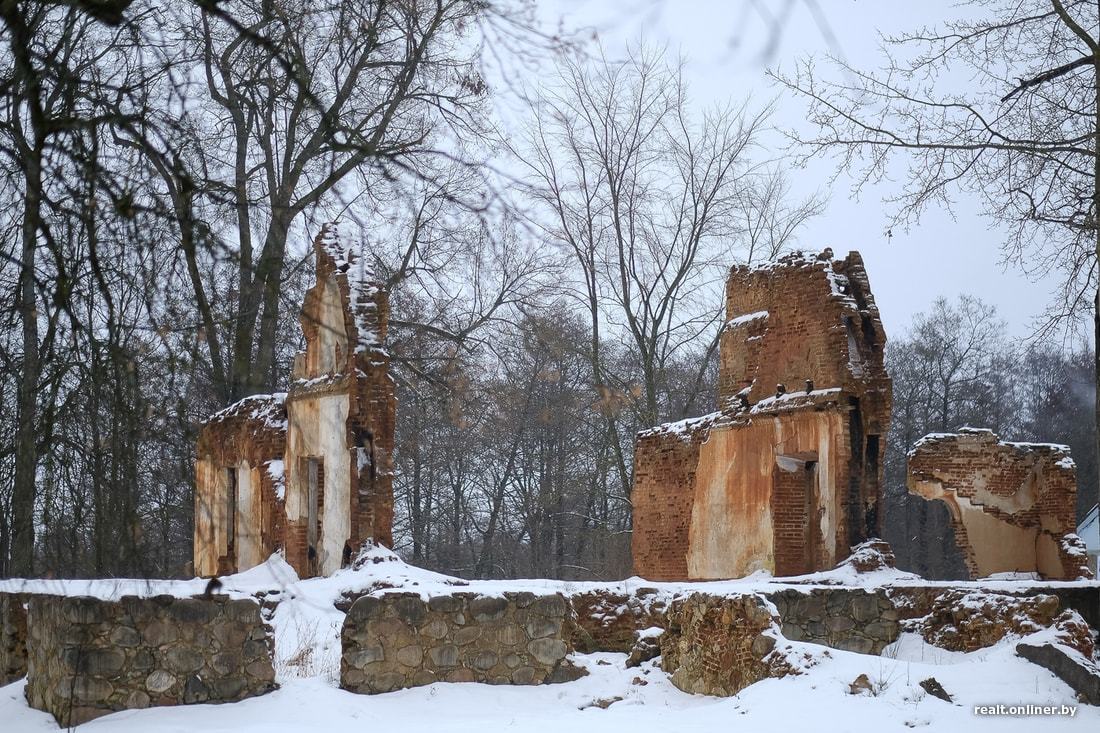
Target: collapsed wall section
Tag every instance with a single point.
(719, 645)
(239, 485)
(804, 317)
(1011, 504)
(88, 657)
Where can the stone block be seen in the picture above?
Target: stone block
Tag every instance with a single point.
(488, 608)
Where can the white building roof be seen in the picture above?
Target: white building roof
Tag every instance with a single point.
(1089, 530)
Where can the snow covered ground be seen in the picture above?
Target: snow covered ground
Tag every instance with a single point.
(611, 698)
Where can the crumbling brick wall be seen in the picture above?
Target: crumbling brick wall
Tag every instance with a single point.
(341, 409)
(1011, 504)
(314, 467)
(249, 438)
(803, 317)
(786, 476)
(665, 462)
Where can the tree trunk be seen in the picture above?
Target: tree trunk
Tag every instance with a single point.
(1096, 236)
(26, 448)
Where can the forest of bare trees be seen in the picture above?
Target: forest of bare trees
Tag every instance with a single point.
(163, 167)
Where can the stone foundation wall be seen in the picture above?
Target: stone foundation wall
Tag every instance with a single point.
(88, 657)
(847, 619)
(609, 622)
(851, 619)
(399, 640)
(965, 621)
(13, 637)
(717, 645)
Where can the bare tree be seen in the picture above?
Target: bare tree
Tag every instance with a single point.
(954, 367)
(364, 84)
(649, 205)
(1003, 107)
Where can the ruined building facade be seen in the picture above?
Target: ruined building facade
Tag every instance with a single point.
(310, 471)
(786, 476)
(1011, 504)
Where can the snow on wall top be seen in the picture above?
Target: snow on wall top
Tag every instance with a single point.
(684, 429)
(364, 288)
(688, 428)
(746, 319)
(798, 258)
(985, 435)
(269, 410)
(840, 287)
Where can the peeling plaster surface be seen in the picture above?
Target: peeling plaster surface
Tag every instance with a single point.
(318, 429)
(206, 541)
(249, 550)
(732, 532)
(1011, 504)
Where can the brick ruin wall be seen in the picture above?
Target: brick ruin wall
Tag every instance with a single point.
(1012, 505)
(665, 465)
(252, 430)
(716, 500)
(340, 411)
(798, 321)
(356, 377)
(821, 329)
(401, 640)
(815, 318)
(88, 657)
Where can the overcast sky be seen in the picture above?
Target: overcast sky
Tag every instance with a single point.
(724, 41)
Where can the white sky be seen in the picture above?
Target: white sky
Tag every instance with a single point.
(723, 42)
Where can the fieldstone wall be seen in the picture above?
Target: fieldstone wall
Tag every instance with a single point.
(399, 640)
(88, 657)
(719, 645)
(916, 601)
(605, 621)
(13, 637)
(852, 620)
